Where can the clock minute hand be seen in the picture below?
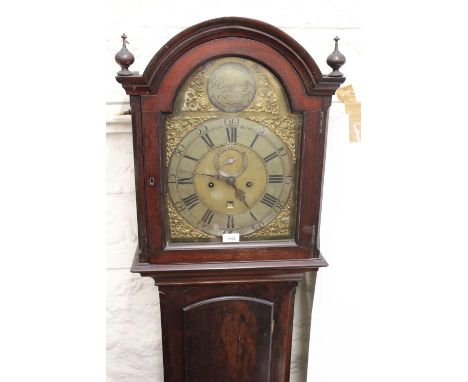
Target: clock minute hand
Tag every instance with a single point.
(240, 194)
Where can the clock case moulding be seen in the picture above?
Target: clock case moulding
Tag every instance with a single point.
(152, 95)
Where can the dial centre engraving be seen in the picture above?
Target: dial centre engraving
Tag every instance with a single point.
(229, 177)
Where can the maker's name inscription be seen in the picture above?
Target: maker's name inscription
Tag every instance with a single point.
(231, 87)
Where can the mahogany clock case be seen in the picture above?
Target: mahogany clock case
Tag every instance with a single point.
(227, 311)
(152, 97)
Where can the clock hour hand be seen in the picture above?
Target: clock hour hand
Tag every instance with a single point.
(210, 175)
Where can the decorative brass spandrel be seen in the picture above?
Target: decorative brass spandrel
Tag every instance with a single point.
(177, 128)
(280, 228)
(179, 229)
(266, 100)
(195, 98)
(284, 127)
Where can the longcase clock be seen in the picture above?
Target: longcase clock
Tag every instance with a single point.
(229, 122)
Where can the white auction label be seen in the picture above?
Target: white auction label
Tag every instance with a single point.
(230, 237)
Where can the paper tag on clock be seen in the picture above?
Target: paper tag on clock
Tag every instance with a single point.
(230, 237)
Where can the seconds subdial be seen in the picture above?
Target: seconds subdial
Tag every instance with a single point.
(230, 160)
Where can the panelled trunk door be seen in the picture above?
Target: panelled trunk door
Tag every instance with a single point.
(227, 333)
(234, 345)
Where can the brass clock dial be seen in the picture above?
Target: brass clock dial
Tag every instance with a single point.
(230, 175)
(231, 146)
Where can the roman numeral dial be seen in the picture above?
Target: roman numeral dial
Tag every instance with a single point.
(207, 139)
(230, 175)
(275, 178)
(185, 180)
(269, 200)
(271, 156)
(191, 201)
(231, 134)
(230, 222)
(207, 216)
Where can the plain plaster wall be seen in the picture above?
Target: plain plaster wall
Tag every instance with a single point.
(134, 351)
